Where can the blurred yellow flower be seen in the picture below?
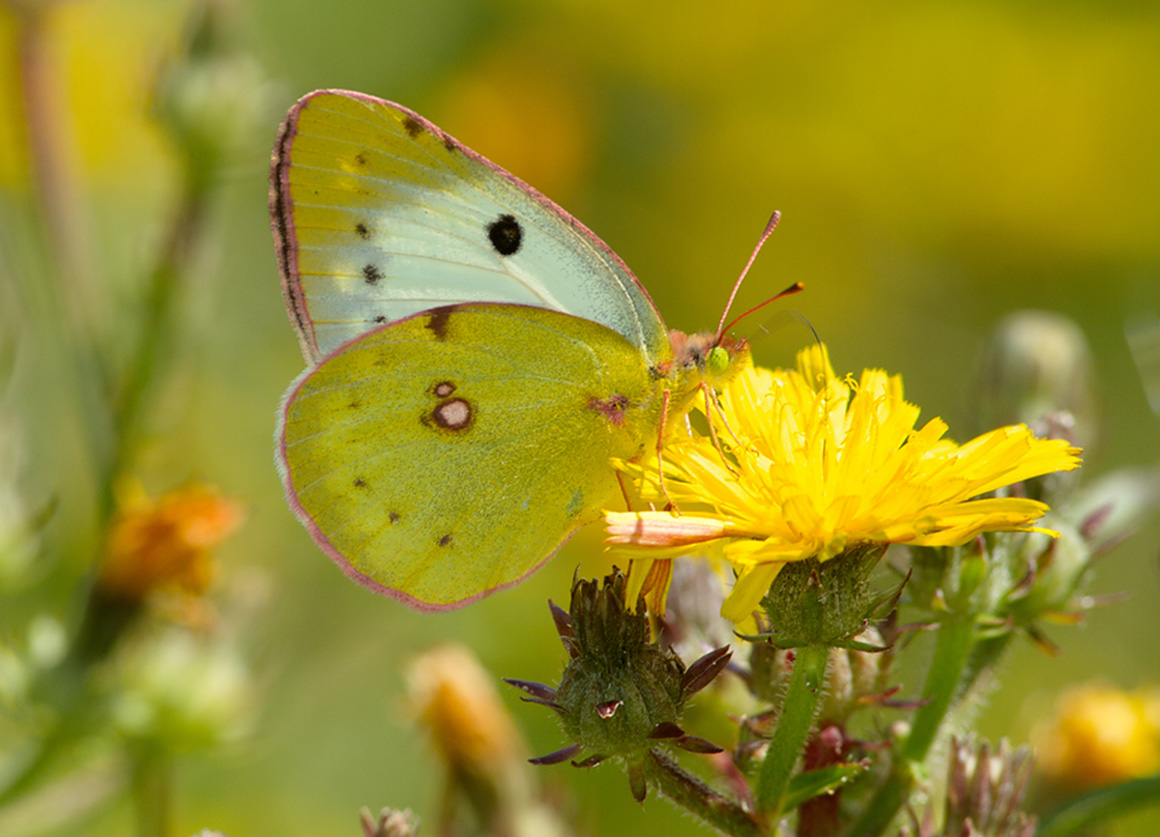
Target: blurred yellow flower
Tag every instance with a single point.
(453, 697)
(166, 543)
(1100, 735)
(455, 700)
(815, 464)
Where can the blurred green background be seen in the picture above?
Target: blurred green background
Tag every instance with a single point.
(938, 166)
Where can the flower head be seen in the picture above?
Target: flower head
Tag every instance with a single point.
(166, 543)
(803, 464)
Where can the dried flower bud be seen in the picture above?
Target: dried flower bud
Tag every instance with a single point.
(390, 823)
(453, 697)
(984, 790)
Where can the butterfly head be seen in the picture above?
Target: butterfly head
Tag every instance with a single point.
(709, 357)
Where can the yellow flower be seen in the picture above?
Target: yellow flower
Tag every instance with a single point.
(813, 465)
(166, 543)
(1100, 735)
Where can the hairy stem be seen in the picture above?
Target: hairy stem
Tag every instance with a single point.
(698, 798)
(802, 699)
(944, 679)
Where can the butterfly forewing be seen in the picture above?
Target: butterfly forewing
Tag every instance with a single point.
(444, 456)
(378, 214)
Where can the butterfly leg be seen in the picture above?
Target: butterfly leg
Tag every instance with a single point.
(712, 409)
(624, 491)
(669, 504)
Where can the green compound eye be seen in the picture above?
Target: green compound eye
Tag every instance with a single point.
(718, 360)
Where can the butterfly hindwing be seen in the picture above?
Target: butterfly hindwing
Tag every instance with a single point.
(451, 453)
(378, 214)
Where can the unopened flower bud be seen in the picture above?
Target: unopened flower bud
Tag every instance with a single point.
(1036, 370)
(620, 687)
(621, 695)
(822, 602)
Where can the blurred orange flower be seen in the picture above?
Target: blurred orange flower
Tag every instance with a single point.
(166, 543)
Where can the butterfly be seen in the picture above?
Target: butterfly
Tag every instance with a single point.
(475, 356)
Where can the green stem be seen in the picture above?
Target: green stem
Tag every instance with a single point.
(153, 347)
(151, 788)
(698, 798)
(51, 159)
(802, 699)
(956, 639)
(1079, 815)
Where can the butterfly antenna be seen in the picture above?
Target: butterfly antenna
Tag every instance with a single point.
(769, 228)
(792, 289)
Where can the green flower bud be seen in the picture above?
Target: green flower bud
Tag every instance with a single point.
(621, 694)
(1056, 567)
(815, 602)
(620, 687)
(1036, 369)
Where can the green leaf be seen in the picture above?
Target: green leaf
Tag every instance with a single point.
(805, 786)
(1100, 806)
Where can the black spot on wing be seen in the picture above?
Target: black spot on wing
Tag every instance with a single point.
(362, 230)
(381, 318)
(359, 482)
(360, 158)
(412, 126)
(445, 540)
(505, 234)
(393, 517)
(371, 274)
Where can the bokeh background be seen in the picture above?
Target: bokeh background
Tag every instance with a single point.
(939, 165)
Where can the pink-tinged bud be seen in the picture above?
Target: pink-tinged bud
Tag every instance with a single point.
(661, 529)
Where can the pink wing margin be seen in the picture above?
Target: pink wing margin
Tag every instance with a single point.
(282, 211)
